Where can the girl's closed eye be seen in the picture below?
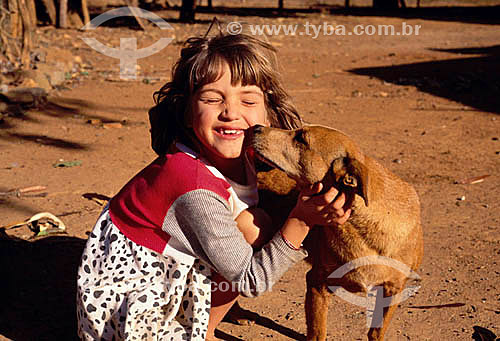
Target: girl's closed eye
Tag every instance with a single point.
(211, 99)
(251, 100)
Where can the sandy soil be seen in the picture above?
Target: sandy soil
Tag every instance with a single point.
(426, 106)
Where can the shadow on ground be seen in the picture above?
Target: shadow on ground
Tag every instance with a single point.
(472, 81)
(266, 12)
(489, 15)
(468, 14)
(39, 287)
(254, 318)
(58, 107)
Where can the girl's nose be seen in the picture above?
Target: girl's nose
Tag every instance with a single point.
(230, 111)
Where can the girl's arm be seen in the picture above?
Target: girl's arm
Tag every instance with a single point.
(257, 226)
(206, 225)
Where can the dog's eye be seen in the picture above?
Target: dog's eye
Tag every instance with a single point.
(299, 137)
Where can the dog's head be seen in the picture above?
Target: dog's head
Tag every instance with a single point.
(314, 154)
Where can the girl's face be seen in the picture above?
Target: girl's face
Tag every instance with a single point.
(220, 114)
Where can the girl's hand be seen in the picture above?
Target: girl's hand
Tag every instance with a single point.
(329, 208)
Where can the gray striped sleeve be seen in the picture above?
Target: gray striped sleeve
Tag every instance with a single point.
(201, 221)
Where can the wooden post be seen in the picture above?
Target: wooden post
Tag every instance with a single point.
(14, 18)
(51, 11)
(63, 13)
(27, 34)
(85, 12)
(4, 40)
(32, 12)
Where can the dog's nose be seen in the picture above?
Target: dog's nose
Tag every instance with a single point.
(250, 134)
(256, 129)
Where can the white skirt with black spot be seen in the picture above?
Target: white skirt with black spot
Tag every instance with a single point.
(129, 292)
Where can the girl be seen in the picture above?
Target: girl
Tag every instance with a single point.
(186, 223)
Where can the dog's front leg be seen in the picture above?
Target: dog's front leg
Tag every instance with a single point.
(317, 299)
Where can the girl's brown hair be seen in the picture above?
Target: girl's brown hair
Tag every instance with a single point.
(251, 61)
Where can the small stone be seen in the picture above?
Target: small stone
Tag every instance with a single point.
(112, 125)
(94, 121)
(28, 83)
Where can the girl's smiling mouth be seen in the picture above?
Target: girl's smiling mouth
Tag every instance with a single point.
(229, 132)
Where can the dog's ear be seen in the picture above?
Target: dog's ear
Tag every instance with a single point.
(358, 172)
(352, 173)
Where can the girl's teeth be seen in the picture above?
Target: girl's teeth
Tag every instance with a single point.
(230, 131)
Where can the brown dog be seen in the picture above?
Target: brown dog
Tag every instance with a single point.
(384, 223)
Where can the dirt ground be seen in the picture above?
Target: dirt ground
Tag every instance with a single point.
(425, 106)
